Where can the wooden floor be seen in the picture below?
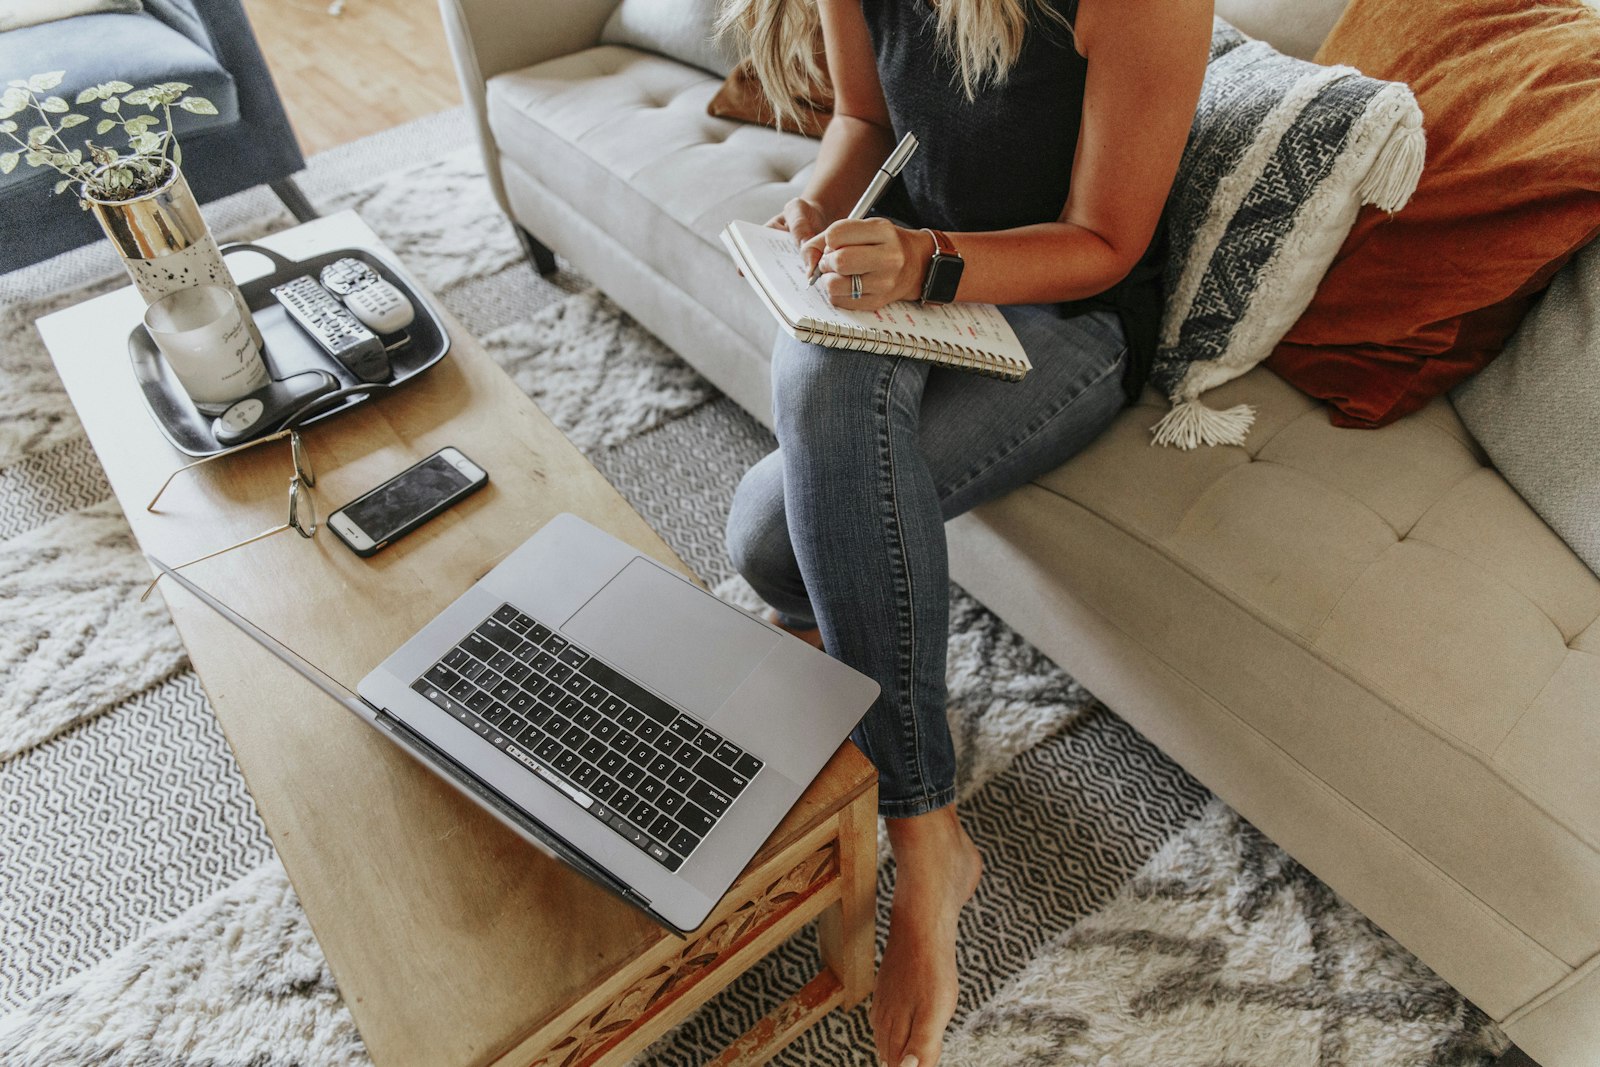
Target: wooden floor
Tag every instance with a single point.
(378, 64)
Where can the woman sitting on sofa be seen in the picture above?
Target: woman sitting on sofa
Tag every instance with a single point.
(1050, 131)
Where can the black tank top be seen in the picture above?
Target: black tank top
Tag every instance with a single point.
(1003, 159)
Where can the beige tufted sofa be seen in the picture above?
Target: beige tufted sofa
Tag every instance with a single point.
(1363, 641)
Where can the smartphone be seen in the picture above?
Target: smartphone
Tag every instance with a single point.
(406, 501)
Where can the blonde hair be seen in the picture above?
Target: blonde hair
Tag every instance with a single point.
(783, 42)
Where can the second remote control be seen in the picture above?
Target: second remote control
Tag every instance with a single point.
(332, 326)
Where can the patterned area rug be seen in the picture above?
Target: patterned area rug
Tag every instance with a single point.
(1126, 916)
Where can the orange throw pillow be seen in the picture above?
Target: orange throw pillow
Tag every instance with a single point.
(741, 99)
(1416, 302)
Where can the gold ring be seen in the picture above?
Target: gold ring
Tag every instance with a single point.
(855, 287)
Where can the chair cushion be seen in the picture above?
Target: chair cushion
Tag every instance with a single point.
(623, 137)
(137, 49)
(1399, 559)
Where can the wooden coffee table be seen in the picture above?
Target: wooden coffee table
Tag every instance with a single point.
(453, 941)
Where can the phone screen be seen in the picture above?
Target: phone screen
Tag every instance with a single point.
(393, 505)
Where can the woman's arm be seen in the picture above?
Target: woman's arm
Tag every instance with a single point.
(859, 136)
(1147, 59)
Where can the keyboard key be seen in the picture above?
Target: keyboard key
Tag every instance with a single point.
(573, 656)
(474, 670)
(669, 802)
(497, 713)
(696, 819)
(631, 691)
(662, 829)
(729, 781)
(585, 775)
(661, 766)
(542, 660)
(713, 800)
(649, 788)
(728, 753)
(539, 713)
(574, 736)
(566, 762)
(432, 693)
(558, 724)
(538, 634)
(747, 765)
(683, 842)
(549, 749)
(594, 695)
(504, 691)
(500, 661)
(442, 677)
(630, 717)
(500, 634)
(681, 779)
(505, 613)
(604, 787)
(555, 643)
(642, 754)
(707, 741)
(622, 743)
(667, 744)
(623, 800)
(628, 830)
(574, 683)
(643, 815)
(612, 705)
(479, 646)
(630, 774)
(551, 693)
(605, 729)
(518, 672)
(531, 737)
(559, 672)
(586, 717)
(569, 705)
(685, 727)
(462, 689)
(611, 762)
(527, 652)
(455, 658)
(649, 730)
(479, 700)
(658, 852)
(519, 624)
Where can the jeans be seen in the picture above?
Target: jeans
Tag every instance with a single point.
(843, 526)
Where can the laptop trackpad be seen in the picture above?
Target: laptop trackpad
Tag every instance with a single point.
(685, 644)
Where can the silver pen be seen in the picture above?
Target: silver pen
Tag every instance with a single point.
(880, 182)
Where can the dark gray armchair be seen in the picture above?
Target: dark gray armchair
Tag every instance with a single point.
(209, 45)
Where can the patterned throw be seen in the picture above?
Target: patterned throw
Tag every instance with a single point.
(1281, 156)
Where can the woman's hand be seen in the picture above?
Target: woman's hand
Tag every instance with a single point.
(804, 219)
(890, 261)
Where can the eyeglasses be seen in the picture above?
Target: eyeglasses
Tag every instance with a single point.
(302, 512)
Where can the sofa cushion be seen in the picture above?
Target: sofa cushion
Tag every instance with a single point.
(1399, 560)
(624, 138)
(15, 14)
(137, 49)
(678, 29)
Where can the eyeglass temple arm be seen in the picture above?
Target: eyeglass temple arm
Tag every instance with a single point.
(280, 435)
(201, 559)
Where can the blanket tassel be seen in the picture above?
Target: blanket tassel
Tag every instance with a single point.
(1190, 424)
(1394, 174)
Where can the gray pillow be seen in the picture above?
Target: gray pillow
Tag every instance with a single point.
(15, 14)
(678, 29)
(1536, 409)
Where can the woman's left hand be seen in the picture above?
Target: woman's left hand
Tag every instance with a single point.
(889, 260)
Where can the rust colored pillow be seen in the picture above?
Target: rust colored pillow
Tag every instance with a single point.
(1416, 302)
(741, 99)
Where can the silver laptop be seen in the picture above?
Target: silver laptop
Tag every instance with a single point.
(612, 713)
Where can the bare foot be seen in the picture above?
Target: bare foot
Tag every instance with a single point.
(936, 872)
(812, 637)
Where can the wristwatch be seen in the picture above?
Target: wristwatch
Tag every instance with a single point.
(944, 270)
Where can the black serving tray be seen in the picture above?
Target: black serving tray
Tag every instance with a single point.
(288, 350)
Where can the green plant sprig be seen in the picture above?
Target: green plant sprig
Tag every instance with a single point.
(106, 173)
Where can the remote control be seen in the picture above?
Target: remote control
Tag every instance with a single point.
(333, 327)
(344, 276)
(267, 408)
(380, 306)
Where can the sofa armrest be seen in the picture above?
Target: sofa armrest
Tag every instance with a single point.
(489, 37)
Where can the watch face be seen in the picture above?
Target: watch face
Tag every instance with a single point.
(944, 276)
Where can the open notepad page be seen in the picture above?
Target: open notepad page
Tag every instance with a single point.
(774, 260)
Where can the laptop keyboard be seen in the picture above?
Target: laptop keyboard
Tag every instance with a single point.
(627, 757)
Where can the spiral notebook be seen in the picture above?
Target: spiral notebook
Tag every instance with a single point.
(973, 337)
